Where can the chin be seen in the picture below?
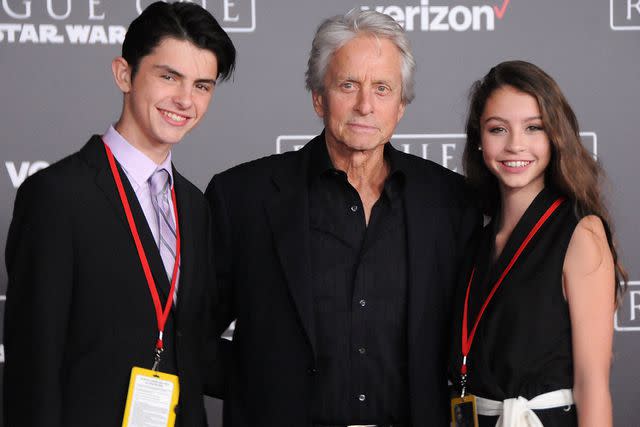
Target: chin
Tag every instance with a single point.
(363, 145)
(514, 186)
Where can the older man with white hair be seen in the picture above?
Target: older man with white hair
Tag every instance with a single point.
(338, 261)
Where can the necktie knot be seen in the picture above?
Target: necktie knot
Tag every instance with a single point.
(159, 182)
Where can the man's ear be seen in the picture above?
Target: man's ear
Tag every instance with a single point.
(121, 74)
(318, 103)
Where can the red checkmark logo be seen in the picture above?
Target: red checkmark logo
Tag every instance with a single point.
(501, 10)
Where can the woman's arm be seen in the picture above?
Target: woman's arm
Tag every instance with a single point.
(589, 286)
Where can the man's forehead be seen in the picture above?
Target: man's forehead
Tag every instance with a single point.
(365, 50)
(371, 70)
(177, 46)
(375, 44)
(184, 58)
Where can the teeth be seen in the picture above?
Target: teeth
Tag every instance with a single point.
(174, 116)
(516, 164)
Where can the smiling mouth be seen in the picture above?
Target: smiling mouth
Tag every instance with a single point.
(173, 117)
(517, 163)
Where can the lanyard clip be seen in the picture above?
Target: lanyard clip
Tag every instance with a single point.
(158, 352)
(156, 359)
(463, 377)
(463, 385)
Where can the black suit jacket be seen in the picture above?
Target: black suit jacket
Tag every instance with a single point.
(261, 236)
(79, 314)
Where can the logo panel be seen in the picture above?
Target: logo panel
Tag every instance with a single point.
(88, 22)
(627, 316)
(443, 148)
(19, 171)
(624, 15)
(435, 16)
(237, 16)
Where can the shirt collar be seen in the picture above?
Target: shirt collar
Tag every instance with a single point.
(320, 164)
(136, 164)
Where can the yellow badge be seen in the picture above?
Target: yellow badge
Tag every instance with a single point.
(151, 400)
(463, 411)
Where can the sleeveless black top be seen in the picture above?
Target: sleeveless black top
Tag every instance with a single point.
(522, 346)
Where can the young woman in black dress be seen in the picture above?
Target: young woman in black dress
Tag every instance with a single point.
(534, 312)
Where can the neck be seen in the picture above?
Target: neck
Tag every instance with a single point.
(366, 170)
(157, 153)
(514, 202)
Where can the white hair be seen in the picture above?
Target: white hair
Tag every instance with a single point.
(337, 31)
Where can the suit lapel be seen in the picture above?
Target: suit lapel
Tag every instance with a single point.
(94, 153)
(288, 214)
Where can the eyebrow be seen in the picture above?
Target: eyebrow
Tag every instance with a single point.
(347, 78)
(500, 119)
(168, 69)
(382, 82)
(354, 79)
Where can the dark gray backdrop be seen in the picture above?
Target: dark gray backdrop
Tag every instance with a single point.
(56, 89)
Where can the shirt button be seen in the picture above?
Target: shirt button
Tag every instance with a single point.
(362, 350)
(354, 208)
(362, 398)
(363, 303)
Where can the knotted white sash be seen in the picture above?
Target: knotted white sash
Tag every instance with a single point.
(518, 412)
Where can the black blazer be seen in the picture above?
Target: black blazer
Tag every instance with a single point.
(79, 314)
(261, 240)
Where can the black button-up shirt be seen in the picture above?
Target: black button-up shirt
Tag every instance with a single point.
(359, 279)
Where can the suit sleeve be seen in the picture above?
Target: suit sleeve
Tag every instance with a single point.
(222, 309)
(39, 258)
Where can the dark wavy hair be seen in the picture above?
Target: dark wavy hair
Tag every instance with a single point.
(181, 21)
(572, 170)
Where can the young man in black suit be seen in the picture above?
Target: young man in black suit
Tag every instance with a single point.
(338, 261)
(85, 300)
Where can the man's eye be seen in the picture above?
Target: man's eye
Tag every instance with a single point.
(204, 87)
(382, 89)
(347, 85)
(168, 77)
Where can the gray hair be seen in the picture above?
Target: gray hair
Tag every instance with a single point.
(337, 31)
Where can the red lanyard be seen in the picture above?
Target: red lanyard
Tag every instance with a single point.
(467, 340)
(161, 315)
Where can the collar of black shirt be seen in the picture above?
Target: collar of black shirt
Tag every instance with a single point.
(320, 165)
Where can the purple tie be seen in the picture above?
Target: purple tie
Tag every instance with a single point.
(159, 185)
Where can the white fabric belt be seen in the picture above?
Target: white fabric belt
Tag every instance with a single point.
(518, 412)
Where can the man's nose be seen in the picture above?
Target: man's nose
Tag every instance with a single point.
(364, 103)
(183, 97)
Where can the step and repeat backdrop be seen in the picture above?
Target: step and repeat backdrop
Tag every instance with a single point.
(56, 89)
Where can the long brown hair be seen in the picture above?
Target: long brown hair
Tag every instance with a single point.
(572, 170)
